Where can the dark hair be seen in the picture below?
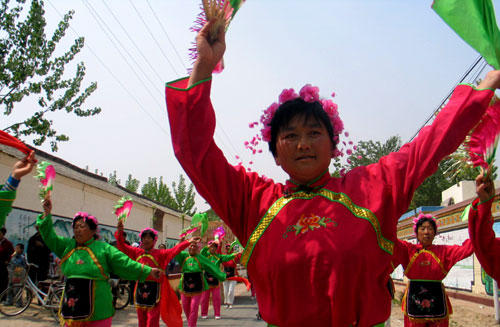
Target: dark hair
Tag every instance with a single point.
(21, 245)
(423, 220)
(298, 108)
(3, 230)
(90, 222)
(148, 232)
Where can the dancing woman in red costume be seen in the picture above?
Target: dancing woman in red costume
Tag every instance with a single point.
(425, 302)
(332, 239)
(147, 294)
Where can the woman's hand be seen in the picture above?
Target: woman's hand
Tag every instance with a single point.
(196, 239)
(485, 188)
(47, 206)
(491, 81)
(119, 226)
(24, 166)
(155, 273)
(209, 54)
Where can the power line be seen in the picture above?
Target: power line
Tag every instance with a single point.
(133, 42)
(431, 117)
(221, 139)
(113, 75)
(98, 19)
(166, 34)
(154, 39)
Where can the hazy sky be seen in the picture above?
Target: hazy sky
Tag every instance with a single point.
(390, 64)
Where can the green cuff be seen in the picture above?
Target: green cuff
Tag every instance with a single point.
(481, 202)
(169, 84)
(476, 88)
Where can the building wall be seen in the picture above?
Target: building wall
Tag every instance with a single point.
(77, 190)
(459, 192)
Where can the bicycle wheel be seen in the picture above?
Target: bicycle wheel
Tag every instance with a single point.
(122, 296)
(14, 300)
(55, 302)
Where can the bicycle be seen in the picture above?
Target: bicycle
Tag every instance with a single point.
(121, 293)
(17, 297)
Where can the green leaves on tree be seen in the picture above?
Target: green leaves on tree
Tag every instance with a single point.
(29, 67)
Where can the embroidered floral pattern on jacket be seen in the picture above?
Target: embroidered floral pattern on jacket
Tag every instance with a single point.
(308, 223)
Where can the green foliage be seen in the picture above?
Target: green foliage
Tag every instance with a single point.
(368, 152)
(28, 66)
(156, 190)
(113, 179)
(429, 192)
(182, 197)
(212, 216)
(131, 183)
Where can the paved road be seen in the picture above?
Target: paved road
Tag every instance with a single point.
(243, 313)
(467, 314)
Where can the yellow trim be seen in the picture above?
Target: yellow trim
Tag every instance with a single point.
(432, 254)
(147, 255)
(7, 200)
(92, 256)
(262, 226)
(341, 198)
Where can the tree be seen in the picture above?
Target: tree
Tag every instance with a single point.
(113, 179)
(28, 66)
(131, 183)
(182, 197)
(211, 215)
(368, 152)
(156, 190)
(429, 192)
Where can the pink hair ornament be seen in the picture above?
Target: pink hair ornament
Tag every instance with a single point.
(308, 93)
(149, 229)
(420, 217)
(86, 218)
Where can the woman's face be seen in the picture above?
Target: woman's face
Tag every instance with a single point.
(82, 232)
(193, 249)
(303, 149)
(212, 249)
(147, 242)
(425, 234)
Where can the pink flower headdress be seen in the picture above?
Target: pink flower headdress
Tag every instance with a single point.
(86, 218)
(420, 217)
(308, 93)
(149, 229)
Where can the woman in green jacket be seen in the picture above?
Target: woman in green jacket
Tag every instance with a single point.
(193, 281)
(87, 262)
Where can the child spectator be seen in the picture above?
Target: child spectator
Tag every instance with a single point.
(17, 272)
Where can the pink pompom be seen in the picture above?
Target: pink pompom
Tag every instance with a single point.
(287, 95)
(309, 93)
